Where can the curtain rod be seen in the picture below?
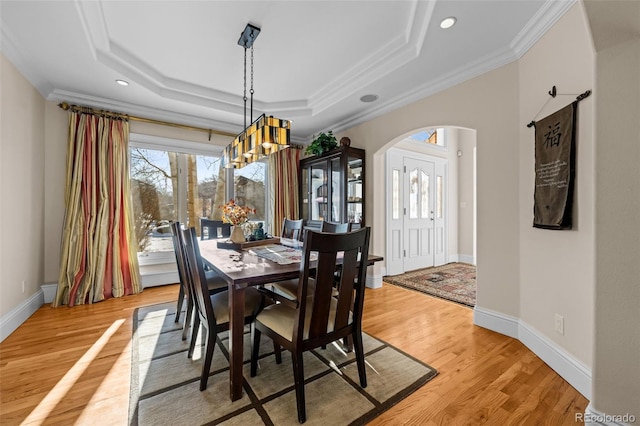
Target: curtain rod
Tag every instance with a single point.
(75, 108)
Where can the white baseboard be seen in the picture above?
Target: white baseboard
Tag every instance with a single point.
(466, 258)
(49, 291)
(569, 368)
(11, 321)
(374, 281)
(495, 321)
(595, 417)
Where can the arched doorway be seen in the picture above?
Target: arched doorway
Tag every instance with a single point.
(430, 200)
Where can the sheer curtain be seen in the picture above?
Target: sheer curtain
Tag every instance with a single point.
(99, 258)
(283, 187)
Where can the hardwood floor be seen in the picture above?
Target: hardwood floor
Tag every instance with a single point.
(72, 365)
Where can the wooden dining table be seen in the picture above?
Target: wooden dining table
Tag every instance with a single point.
(242, 269)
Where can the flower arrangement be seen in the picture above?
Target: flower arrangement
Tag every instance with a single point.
(235, 214)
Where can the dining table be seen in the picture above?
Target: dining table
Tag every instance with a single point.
(243, 268)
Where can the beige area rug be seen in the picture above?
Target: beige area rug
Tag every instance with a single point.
(453, 281)
(165, 383)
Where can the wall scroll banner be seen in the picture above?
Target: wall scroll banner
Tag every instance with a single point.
(555, 169)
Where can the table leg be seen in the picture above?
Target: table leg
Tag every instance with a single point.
(236, 340)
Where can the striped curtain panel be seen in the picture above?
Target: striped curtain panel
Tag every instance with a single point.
(283, 188)
(99, 252)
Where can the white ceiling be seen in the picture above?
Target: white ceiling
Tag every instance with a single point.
(314, 59)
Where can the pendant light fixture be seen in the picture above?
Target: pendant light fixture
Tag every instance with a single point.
(263, 136)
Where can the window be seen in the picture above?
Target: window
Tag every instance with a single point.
(432, 137)
(166, 186)
(249, 188)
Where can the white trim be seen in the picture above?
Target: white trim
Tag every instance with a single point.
(140, 140)
(14, 319)
(162, 278)
(156, 258)
(465, 258)
(568, 367)
(374, 280)
(49, 291)
(595, 417)
(495, 321)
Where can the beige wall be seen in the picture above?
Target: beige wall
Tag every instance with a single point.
(616, 372)
(22, 162)
(488, 104)
(466, 191)
(556, 267)
(525, 273)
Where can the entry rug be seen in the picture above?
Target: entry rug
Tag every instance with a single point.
(165, 383)
(453, 281)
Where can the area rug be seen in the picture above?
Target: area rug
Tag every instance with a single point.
(453, 281)
(165, 383)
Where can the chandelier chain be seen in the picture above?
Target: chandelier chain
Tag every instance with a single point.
(244, 97)
(251, 83)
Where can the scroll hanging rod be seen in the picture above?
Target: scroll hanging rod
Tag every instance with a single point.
(553, 93)
(65, 106)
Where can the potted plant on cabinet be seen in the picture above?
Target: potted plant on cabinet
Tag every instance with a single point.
(324, 142)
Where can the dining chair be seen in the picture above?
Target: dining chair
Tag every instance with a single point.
(289, 288)
(215, 283)
(292, 229)
(324, 316)
(212, 229)
(212, 311)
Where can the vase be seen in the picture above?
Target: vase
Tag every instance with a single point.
(237, 234)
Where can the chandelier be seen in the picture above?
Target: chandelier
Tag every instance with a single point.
(264, 136)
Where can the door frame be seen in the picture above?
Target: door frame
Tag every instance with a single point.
(393, 156)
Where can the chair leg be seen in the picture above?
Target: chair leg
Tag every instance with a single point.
(255, 349)
(206, 366)
(179, 305)
(359, 349)
(298, 377)
(278, 351)
(187, 320)
(194, 335)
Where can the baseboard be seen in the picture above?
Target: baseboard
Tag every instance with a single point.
(14, 319)
(49, 291)
(465, 258)
(595, 417)
(495, 321)
(374, 281)
(568, 367)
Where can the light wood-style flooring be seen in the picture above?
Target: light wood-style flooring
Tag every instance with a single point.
(72, 365)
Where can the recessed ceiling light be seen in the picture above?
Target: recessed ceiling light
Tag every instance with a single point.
(122, 82)
(448, 22)
(369, 98)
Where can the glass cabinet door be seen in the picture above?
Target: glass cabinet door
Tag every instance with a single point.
(354, 190)
(336, 192)
(319, 192)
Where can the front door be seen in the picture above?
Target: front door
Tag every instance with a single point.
(416, 234)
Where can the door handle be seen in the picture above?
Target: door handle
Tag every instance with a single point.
(432, 217)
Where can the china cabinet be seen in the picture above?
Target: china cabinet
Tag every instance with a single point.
(332, 187)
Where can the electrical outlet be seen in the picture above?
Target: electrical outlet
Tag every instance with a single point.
(559, 324)
(24, 283)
